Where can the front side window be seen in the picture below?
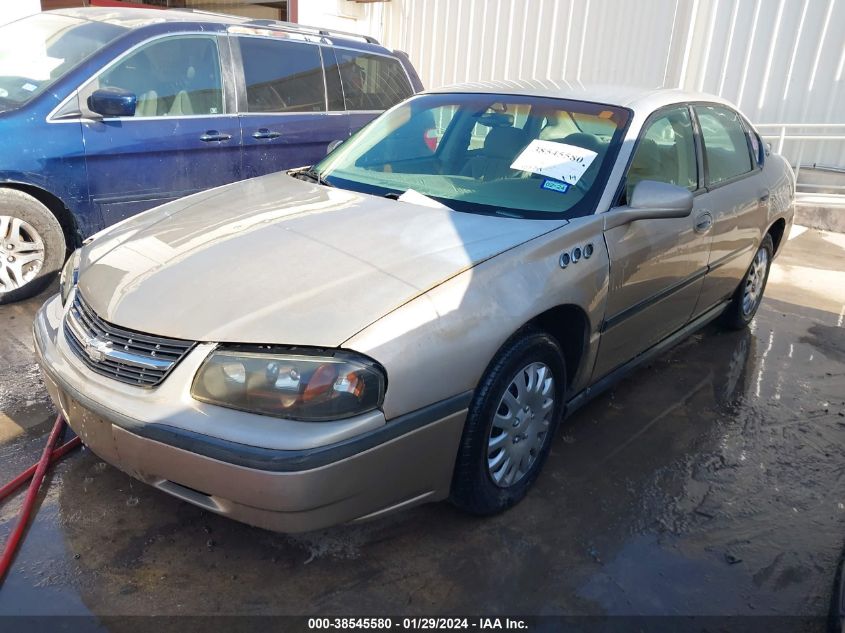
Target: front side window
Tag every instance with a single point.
(665, 152)
(39, 50)
(371, 82)
(282, 76)
(725, 145)
(173, 76)
(483, 153)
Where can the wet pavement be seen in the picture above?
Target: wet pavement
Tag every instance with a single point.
(710, 482)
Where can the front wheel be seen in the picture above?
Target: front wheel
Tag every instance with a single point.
(510, 424)
(749, 293)
(32, 246)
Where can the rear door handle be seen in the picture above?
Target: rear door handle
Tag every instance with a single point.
(264, 133)
(764, 197)
(213, 135)
(703, 222)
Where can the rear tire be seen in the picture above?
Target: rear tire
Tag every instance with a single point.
(749, 294)
(513, 416)
(32, 246)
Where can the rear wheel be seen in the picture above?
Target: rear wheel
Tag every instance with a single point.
(749, 293)
(510, 424)
(32, 246)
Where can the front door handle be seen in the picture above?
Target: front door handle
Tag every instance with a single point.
(264, 133)
(703, 222)
(213, 135)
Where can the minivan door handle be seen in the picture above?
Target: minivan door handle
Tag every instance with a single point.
(264, 133)
(214, 136)
(703, 222)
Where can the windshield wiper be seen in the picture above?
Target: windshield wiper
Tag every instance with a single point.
(309, 173)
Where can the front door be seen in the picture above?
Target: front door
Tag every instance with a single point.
(283, 109)
(180, 139)
(656, 266)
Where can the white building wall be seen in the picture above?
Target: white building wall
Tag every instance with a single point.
(12, 10)
(779, 60)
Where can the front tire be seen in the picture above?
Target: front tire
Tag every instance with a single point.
(510, 424)
(32, 246)
(749, 294)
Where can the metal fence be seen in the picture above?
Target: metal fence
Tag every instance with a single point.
(778, 60)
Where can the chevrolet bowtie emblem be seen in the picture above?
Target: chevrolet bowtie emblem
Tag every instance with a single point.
(97, 349)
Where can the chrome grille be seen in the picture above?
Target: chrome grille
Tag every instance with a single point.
(131, 357)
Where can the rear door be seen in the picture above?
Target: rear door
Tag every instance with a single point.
(283, 114)
(657, 267)
(181, 139)
(371, 83)
(737, 197)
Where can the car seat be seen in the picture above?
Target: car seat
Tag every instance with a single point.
(494, 159)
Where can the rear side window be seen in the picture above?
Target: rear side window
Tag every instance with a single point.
(371, 82)
(282, 76)
(173, 76)
(725, 144)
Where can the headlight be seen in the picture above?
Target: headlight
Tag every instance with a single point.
(70, 275)
(299, 385)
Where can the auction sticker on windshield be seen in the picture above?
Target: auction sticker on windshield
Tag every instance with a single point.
(555, 160)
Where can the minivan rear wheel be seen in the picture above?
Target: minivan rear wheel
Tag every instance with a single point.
(510, 424)
(32, 246)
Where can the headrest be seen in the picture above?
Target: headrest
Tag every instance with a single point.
(587, 141)
(505, 142)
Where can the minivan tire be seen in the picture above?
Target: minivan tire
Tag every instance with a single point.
(17, 204)
(473, 487)
(735, 317)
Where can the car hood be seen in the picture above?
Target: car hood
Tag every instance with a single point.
(277, 260)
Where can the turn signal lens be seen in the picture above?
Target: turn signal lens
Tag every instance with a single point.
(69, 276)
(297, 386)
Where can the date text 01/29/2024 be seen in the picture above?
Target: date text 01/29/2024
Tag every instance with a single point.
(418, 623)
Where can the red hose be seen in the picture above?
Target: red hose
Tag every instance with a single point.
(29, 501)
(55, 456)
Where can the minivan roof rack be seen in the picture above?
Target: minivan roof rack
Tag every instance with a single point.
(285, 26)
(295, 26)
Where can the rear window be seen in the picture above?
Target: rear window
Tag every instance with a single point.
(282, 76)
(371, 82)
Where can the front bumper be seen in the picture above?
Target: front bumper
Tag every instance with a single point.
(363, 471)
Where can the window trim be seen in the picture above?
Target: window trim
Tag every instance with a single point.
(240, 75)
(699, 171)
(83, 87)
(755, 168)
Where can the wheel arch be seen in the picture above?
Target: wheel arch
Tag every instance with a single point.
(569, 325)
(58, 208)
(776, 231)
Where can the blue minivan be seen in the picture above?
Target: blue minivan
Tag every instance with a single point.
(107, 112)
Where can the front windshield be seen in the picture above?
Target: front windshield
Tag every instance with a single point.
(484, 153)
(40, 49)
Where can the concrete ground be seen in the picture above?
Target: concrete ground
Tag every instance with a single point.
(710, 482)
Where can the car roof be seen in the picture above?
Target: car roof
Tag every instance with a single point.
(135, 18)
(637, 98)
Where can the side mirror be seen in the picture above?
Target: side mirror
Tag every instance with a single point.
(652, 200)
(333, 146)
(113, 102)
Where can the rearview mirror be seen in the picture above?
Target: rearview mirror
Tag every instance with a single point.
(333, 146)
(652, 200)
(112, 102)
